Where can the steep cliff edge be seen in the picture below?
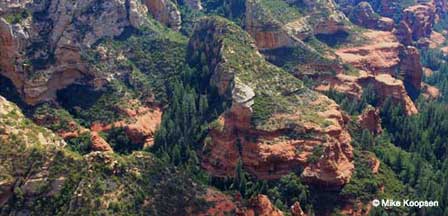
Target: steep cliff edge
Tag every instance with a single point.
(291, 40)
(47, 43)
(382, 54)
(275, 125)
(280, 23)
(166, 12)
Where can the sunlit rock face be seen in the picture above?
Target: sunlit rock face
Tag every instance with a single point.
(286, 140)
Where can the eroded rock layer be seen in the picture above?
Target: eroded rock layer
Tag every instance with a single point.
(275, 125)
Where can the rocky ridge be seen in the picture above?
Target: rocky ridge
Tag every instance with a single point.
(284, 140)
(375, 52)
(385, 55)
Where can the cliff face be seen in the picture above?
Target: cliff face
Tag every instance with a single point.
(384, 85)
(370, 120)
(267, 32)
(275, 124)
(279, 35)
(420, 19)
(273, 29)
(166, 12)
(364, 15)
(47, 46)
(384, 54)
(140, 125)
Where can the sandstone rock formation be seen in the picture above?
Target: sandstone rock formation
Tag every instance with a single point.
(98, 143)
(14, 125)
(140, 126)
(272, 31)
(37, 169)
(374, 164)
(280, 36)
(436, 40)
(384, 54)
(324, 17)
(385, 8)
(356, 209)
(384, 85)
(165, 12)
(308, 131)
(404, 33)
(262, 206)
(222, 204)
(412, 68)
(381, 53)
(430, 92)
(364, 15)
(259, 205)
(370, 119)
(272, 37)
(45, 54)
(296, 210)
(420, 19)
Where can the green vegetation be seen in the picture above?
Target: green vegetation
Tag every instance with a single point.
(276, 90)
(318, 151)
(96, 106)
(120, 142)
(53, 118)
(98, 183)
(281, 10)
(15, 18)
(80, 144)
(437, 62)
(157, 66)
(351, 105)
(232, 9)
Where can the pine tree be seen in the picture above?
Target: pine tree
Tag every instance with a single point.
(240, 180)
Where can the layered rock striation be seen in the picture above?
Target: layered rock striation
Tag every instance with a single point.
(275, 125)
(385, 55)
